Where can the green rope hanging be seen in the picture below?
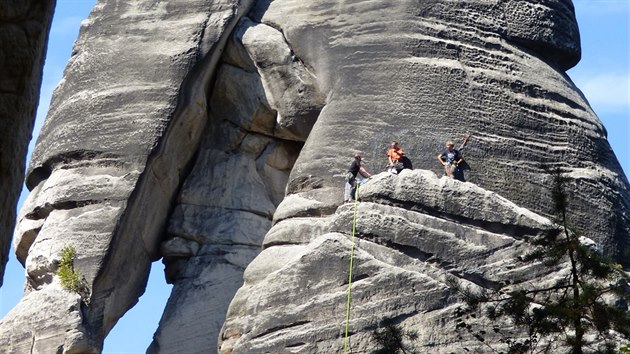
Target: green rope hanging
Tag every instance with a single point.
(346, 342)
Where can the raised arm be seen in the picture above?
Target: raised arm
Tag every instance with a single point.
(466, 137)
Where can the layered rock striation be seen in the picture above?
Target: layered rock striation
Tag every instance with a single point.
(415, 234)
(425, 72)
(123, 127)
(263, 105)
(197, 132)
(422, 73)
(24, 27)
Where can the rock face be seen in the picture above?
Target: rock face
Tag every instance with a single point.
(123, 126)
(429, 71)
(416, 233)
(198, 132)
(263, 105)
(24, 26)
(422, 72)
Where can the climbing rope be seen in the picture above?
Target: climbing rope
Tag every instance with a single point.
(346, 342)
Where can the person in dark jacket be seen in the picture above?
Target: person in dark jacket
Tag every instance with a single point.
(458, 174)
(354, 177)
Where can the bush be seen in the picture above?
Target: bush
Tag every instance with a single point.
(70, 278)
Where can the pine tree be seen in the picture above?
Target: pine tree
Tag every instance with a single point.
(587, 311)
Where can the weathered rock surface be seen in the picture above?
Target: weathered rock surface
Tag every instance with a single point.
(123, 126)
(212, 128)
(263, 105)
(415, 233)
(24, 26)
(422, 72)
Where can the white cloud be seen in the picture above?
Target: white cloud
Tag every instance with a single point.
(606, 91)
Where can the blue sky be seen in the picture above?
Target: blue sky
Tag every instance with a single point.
(602, 75)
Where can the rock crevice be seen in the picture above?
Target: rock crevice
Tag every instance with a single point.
(261, 109)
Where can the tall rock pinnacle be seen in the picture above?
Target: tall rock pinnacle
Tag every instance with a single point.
(197, 132)
(122, 128)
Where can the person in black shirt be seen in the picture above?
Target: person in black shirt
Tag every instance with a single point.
(355, 175)
(450, 158)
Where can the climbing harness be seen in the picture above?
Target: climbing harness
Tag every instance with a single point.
(346, 342)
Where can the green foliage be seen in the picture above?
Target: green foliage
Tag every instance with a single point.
(390, 338)
(70, 278)
(565, 312)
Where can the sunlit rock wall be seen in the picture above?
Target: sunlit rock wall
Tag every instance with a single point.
(421, 73)
(198, 131)
(263, 106)
(122, 129)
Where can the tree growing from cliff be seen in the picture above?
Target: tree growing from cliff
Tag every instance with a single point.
(69, 277)
(585, 310)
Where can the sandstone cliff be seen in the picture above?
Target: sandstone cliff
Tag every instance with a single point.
(123, 125)
(197, 133)
(421, 74)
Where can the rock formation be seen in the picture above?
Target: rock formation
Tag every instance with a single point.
(24, 26)
(417, 232)
(421, 73)
(122, 128)
(263, 105)
(198, 132)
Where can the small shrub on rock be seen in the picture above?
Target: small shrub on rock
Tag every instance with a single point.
(70, 278)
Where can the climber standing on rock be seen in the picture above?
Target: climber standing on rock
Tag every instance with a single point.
(395, 156)
(354, 177)
(451, 158)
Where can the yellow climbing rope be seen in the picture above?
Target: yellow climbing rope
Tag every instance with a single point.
(346, 342)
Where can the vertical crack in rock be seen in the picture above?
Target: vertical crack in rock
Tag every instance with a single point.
(262, 107)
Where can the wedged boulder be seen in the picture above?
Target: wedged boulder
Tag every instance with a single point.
(24, 27)
(226, 204)
(292, 89)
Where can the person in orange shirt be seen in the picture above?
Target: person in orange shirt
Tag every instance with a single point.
(394, 156)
